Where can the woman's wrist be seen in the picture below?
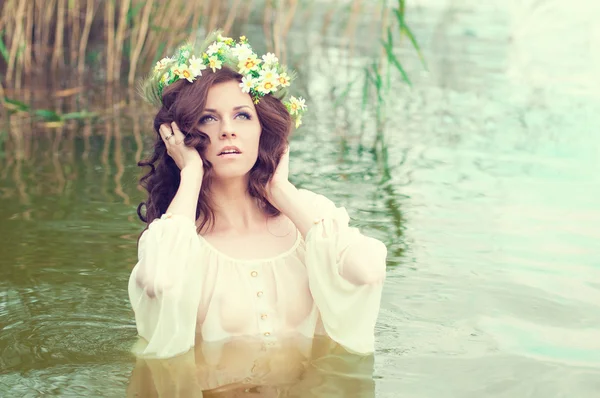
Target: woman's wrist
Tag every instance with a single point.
(281, 192)
(192, 173)
(186, 198)
(288, 200)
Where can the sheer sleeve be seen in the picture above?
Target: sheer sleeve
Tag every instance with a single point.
(164, 287)
(349, 311)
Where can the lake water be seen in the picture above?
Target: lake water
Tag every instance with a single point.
(490, 211)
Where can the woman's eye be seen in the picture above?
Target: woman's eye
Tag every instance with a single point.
(244, 115)
(207, 118)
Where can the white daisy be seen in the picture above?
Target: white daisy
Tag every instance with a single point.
(247, 83)
(213, 48)
(270, 59)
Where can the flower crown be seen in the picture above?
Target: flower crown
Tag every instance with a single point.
(261, 76)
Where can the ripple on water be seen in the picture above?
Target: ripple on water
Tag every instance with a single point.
(48, 341)
(81, 380)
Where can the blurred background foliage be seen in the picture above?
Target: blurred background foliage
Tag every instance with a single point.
(91, 42)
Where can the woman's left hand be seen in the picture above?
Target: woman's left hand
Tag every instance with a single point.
(280, 177)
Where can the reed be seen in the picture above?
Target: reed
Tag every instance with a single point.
(43, 35)
(57, 55)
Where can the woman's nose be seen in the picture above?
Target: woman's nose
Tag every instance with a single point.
(227, 131)
(227, 134)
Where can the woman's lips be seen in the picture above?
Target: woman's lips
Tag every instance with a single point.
(229, 155)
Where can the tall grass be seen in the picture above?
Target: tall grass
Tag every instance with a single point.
(41, 39)
(377, 74)
(392, 32)
(123, 36)
(46, 35)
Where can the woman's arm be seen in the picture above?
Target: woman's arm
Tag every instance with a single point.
(364, 260)
(186, 199)
(192, 171)
(287, 199)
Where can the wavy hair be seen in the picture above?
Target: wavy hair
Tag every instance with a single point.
(183, 103)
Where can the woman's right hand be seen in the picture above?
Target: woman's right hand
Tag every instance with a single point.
(185, 157)
(190, 163)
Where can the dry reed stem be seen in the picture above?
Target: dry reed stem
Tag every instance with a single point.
(89, 18)
(48, 16)
(231, 16)
(7, 20)
(206, 11)
(15, 40)
(290, 17)
(166, 17)
(327, 21)
(174, 19)
(195, 21)
(57, 56)
(27, 53)
(37, 31)
(39, 21)
(75, 36)
(150, 41)
(120, 38)
(352, 23)
(213, 21)
(268, 24)
(2, 96)
(276, 31)
(4, 17)
(109, 16)
(245, 14)
(142, 33)
(284, 24)
(18, 74)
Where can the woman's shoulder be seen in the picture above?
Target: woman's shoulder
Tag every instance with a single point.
(313, 198)
(317, 200)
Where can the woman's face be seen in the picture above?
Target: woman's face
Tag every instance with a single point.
(231, 122)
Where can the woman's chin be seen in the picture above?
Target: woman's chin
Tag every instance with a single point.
(230, 173)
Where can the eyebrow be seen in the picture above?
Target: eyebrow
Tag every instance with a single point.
(237, 108)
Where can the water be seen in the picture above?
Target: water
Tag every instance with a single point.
(490, 215)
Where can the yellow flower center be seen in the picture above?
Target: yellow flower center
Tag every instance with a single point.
(250, 64)
(268, 85)
(186, 73)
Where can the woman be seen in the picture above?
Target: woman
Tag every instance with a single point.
(232, 248)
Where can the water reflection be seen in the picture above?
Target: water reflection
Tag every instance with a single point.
(246, 367)
(488, 202)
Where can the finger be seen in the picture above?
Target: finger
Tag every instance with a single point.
(179, 136)
(164, 131)
(167, 136)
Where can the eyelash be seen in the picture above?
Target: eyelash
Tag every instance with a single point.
(203, 119)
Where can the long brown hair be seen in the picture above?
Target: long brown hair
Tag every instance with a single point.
(183, 103)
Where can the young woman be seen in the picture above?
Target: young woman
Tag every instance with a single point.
(232, 247)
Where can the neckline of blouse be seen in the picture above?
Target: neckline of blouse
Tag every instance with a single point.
(254, 260)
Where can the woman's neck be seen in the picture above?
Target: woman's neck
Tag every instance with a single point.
(235, 210)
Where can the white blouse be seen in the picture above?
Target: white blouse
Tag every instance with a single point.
(182, 288)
